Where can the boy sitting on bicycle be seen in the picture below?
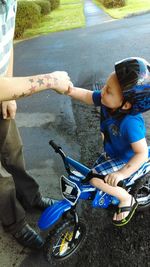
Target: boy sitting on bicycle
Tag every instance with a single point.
(122, 99)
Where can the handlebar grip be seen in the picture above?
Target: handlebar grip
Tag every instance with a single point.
(121, 184)
(54, 146)
(102, 177)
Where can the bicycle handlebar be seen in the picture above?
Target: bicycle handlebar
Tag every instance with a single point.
(59, 150)
(54, 146)
(89, 176)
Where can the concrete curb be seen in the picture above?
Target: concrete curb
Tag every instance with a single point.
(137, 13)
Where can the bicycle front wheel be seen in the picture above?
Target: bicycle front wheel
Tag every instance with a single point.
(64, 242)
(143, 194)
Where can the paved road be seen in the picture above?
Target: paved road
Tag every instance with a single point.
(84, 53)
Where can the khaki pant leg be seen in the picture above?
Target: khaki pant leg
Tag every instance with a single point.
(13, 161)
(12, 215)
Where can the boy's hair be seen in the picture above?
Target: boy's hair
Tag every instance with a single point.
(134, 78)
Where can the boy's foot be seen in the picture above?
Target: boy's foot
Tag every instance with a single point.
(126, 212)
(27, 237)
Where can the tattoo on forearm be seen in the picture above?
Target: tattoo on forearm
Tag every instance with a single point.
(34, 84)
(18, 96)
(37, 82)
(48, 77)
(40, 82)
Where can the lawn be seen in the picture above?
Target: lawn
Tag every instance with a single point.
(69, 15)
(132, 6)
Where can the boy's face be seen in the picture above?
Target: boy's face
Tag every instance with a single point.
(111, 95)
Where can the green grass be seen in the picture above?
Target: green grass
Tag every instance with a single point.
(68, 16)
(132, 6)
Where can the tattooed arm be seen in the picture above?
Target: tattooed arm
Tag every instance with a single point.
(16, 87)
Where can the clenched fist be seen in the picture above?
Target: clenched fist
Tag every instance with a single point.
(60, 82)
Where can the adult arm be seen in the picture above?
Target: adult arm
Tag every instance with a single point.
(16, 87)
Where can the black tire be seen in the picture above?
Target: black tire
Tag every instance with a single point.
(61, 236)
(143, 195)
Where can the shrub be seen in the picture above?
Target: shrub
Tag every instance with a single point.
(54, 4)
(113, 3)
(45, 6)
(28, 14)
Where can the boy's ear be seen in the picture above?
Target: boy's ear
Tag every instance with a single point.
(127, 105)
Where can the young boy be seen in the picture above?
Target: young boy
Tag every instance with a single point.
(121, 100)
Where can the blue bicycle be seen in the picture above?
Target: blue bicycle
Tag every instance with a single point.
(67, 232)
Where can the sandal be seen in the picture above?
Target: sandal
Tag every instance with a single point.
(131, 210)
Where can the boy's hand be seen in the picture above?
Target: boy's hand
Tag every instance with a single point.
(114, 178)
(60, 82)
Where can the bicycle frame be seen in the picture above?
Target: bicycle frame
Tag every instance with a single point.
(73, 189)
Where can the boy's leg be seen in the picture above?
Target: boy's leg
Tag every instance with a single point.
(124, 197)
(106, 167)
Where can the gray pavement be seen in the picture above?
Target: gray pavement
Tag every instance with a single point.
(85, 54)
(94, 15)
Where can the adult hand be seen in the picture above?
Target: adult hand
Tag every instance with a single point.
(60, 82)
(9, 109)
(114, 178)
